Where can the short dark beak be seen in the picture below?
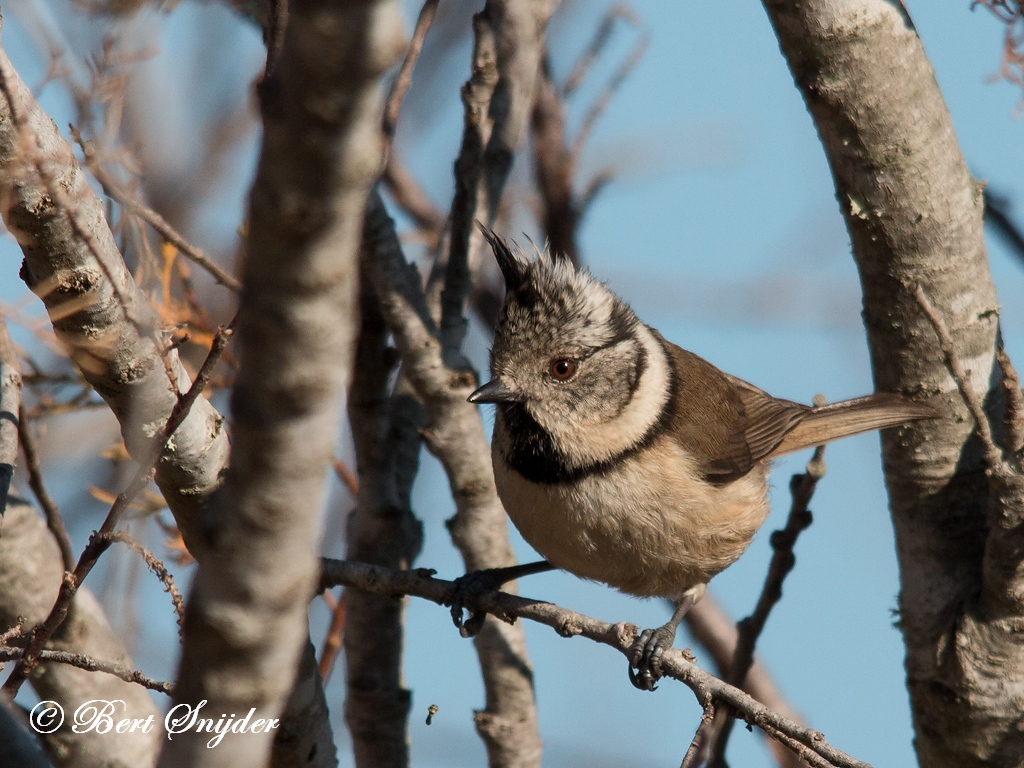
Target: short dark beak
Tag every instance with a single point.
(493, 392)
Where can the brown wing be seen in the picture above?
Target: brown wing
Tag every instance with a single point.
(725, 423)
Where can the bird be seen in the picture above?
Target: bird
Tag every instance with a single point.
(625, 459)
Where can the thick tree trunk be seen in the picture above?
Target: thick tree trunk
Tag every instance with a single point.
(915, 218)
(297, 323)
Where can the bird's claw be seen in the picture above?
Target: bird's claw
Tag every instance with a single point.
(465, 593)
(645, 656)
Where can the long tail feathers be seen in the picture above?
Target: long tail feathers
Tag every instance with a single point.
(851, 417)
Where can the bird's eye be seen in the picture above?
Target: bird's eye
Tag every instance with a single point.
(562, 368)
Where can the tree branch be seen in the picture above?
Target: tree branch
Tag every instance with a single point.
(297, 325)
(118, 357)
(508, 607)
(382, 529)
(783, 559)
(914, 215)
(30, 578)
(89, 664)
(455, 435)
(100, 540)
(35, 482)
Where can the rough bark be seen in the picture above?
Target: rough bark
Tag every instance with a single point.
(914, 215)
(111, 333)
(381, 530)
(508, 40)
(297, 323)
(508, 724)
(98, 312)
(31, 570)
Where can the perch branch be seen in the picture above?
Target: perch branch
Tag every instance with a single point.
(508, 607)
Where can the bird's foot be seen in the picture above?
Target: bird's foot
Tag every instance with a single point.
(645, 655)
(467, 590)
(466, 593)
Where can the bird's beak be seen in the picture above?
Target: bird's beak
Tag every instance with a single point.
(494, 392)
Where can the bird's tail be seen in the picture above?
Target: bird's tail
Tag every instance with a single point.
(851, 417)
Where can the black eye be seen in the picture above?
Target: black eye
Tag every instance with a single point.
(562, 368)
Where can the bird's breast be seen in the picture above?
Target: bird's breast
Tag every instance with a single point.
(648, 525)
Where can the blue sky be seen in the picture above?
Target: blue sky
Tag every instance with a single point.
(722, 230)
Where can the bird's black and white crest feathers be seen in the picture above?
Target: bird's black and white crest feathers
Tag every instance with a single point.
(547, 295)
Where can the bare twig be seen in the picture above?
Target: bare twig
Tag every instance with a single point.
(605, 97)
(382, 529)
(716, 632)
(993, 456)
(159, 570)
(404, 77)
(335, 635)
(455, 435)
(601, 37)
(12, 632)
(802, 488)
(411, 198)
(694, 753)
(507, 607)
(1010, 13)
(554, 166)
(90, 665)
(98, 543)
(154, 219)
(346, 476)
(35, 481)
(84, 294)
(471, 192)
(598, 182)
(33, 155)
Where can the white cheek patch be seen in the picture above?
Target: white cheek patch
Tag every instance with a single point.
(600, 441)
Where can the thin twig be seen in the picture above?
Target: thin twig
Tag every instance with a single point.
(332, 641)
(411, 198)
(802, 488)
(98, 543)
(159, 570)
(90, 665)
(62, 199)
(154, 219)
(993, 456)
(54, 521)
(716, 631)
(696, 749)
(421, 583)
(12, 632)
(404, 77)
(608, 92)
(347, 477)
(554, 166)
(601, 37)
